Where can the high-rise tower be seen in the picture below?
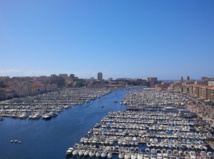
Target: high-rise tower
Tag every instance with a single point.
(188, 78)
(99, 76)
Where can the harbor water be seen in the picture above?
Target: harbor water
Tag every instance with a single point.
(45, 139)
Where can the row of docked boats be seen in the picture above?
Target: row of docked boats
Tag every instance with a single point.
(156, 125)
(119, 134)
(49, 104)
(91, 151)
(137, 99)
(135, 153)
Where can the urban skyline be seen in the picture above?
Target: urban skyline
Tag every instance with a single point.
(99, 76)
(164, 39)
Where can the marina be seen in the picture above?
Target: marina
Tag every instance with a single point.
(152, 98)
(128, 134)
(107, 79)
(50, 138)
(103, 128)
(48, 105)
(150, 129)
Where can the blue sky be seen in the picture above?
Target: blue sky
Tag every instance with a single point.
(121, 38)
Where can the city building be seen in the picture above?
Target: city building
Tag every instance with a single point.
(162, 86)
(188, 78)
(152, 81)
(72, 76)
(191, 89)
(207, 79)
(195, 91)
(202, 92)
(99, 76)
(63, 75)
(211, 94)
(210, 83)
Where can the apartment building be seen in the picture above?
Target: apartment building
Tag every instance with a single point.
(202, 91)
(210, 95)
